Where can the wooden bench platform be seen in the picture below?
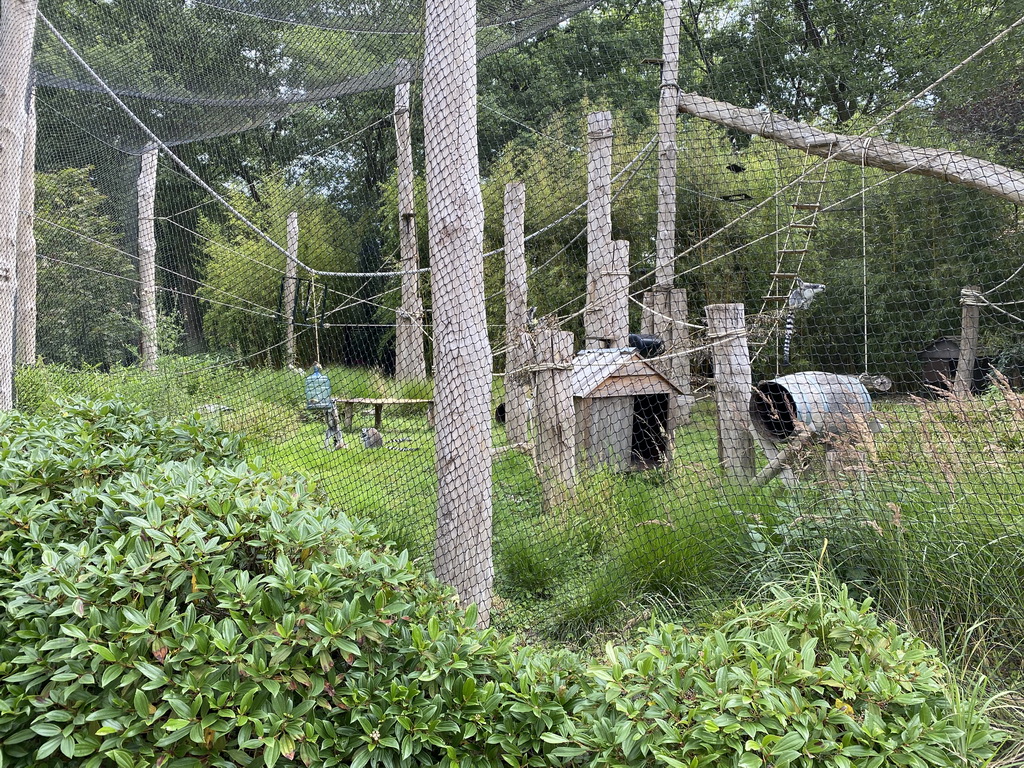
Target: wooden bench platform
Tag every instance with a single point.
(378, 404)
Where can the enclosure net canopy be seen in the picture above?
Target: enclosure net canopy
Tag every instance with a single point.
(197, 70)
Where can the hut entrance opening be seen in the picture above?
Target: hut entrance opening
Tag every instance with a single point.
(650, 430)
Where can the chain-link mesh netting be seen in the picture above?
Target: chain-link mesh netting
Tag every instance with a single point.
(705, 345)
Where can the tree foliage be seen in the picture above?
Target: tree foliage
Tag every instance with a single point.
(86, 285)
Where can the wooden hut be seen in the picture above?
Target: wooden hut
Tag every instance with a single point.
(623, 414)
(939, 361)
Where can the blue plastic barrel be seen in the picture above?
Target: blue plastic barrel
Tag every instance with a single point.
(318, 390)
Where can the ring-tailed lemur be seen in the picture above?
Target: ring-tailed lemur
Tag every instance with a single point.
(372, 439)
(799, 298)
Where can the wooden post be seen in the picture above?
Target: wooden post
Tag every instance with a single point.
(410, 362)
(291, 274)
(147, 257)
(970, 301)
(462, 369)
(25, 334)
(556, 417)
(599, 228)
(665, 315)
(17, 33)
(616, 287)
(668, 115)
(516, 350)
(728, 333)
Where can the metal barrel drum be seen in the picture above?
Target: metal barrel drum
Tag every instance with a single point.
(824, 403)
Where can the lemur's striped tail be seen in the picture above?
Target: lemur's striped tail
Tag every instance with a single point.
(788, 338)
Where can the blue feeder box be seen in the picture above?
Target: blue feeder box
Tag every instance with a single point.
(318, 390)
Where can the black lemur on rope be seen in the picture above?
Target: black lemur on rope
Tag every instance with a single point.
(799, 298)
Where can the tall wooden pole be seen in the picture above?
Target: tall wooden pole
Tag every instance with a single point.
(17, 33)
(727, 332)
(515, 313)
(665, 308)
(25, 335)
(970, 301)
(291, 274)
(462, 368)
(147, 257)
(599, 227)
(556, 418)
(410, 363)
(668, 116)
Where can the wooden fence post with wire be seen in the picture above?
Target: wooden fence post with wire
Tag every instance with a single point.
(291, 269)
(516, 352)
(971, 300)
(727, 333)
(556, 417)
(410, 359)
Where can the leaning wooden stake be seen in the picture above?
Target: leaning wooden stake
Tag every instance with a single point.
(970, 300)
(727, 332)
(17, 32)
(462, 357)
(291, 274)
(147, 257)
(668, 116)
(556, 418)
(599, 228)
(516, 352)
(410, 362)
(942, 164)
(779, 458)
(25, 333)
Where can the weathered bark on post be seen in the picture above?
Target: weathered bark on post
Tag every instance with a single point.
(17, 33)
(410, 360)
(291, 274)
(147, 257)
(970, 301)
(727, 332)
(462, 368)
(665, 315)
(25, 333)
(668, 116)
(556, 417)
(516, 409)
(599, 228)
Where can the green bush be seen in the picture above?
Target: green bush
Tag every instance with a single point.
(805, 680)
(163, 604)
(221, 615)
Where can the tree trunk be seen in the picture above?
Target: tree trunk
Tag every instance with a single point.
(462, 369)
(147, 257)
(410, 362)
(17, 32)
(954, 167)
(25, 333)
(516, 352)
(668, 118)
(291, 274)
